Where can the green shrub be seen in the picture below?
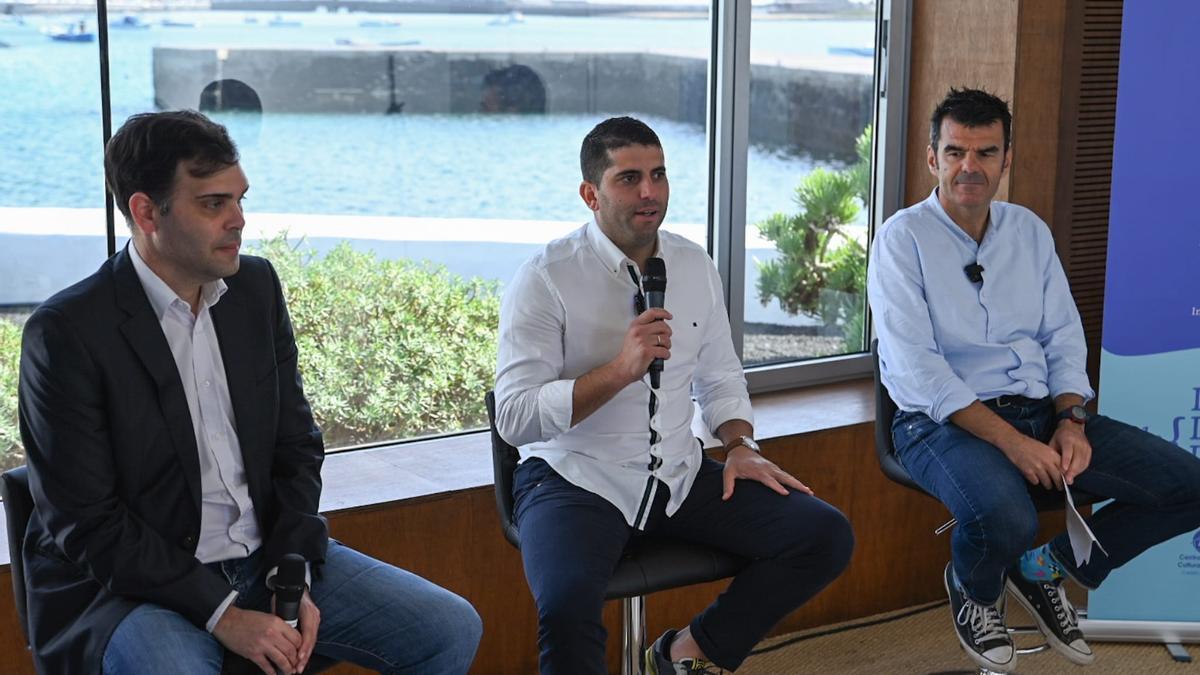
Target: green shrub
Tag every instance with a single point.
(388, 348)
(821, 271)
(11, 452)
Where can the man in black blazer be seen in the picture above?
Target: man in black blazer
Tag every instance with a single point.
(174, 459)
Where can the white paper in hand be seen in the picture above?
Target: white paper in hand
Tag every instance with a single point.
(1080, 534)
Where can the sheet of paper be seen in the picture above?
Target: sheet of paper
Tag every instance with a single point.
(1080, 534)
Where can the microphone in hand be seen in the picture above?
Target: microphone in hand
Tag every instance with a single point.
(654, 283)
(289, 588)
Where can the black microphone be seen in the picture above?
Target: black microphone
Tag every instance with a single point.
(974, 272)
(654, 284)
(289, 588)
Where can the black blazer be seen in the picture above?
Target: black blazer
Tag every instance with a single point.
(114, 469)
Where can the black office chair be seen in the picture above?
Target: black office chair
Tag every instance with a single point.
(885, 449)
(647, 565)
(18, 507)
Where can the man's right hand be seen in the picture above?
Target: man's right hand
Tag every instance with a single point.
(648, 338)
(1038, 462)
(262, 638)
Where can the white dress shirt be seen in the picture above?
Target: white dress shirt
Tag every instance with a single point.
(228, 526)
(945, 341)
(565, 313)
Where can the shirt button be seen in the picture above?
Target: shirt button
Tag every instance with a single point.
(207, 383)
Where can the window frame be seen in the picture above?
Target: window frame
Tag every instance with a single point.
(729, 106)
(727, 117)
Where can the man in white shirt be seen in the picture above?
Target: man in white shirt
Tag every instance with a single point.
(174, 460)
(606, 457)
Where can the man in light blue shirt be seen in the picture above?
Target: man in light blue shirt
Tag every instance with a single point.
(982, 349)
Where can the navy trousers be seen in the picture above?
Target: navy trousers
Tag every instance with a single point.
(572, 539)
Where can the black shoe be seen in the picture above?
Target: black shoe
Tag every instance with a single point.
(658, 660)
(1047, 602)
(981, 629)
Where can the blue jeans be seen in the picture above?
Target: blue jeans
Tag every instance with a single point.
(1155, 485)
(572, 539)
(372, 614)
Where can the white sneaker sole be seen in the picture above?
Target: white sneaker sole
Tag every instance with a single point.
(1068, 652)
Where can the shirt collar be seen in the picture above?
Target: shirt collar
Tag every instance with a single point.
(160, 294)
(936, 205)
(613, 258)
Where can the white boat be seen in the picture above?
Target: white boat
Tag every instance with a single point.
(513, 17)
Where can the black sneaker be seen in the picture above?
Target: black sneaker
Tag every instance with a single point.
(658, 660)
(981, 629)
(1056, 618)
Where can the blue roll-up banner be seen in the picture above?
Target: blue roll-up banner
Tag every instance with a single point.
(1150, 361)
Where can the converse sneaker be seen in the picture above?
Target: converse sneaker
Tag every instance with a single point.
(980, 629)
(658, 660)
(1047, 602)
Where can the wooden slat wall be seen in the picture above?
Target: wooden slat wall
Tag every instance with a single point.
(1091, 57)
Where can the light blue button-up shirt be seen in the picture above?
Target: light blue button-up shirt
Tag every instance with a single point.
(944, 341)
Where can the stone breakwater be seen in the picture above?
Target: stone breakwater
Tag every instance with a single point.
(817, 106)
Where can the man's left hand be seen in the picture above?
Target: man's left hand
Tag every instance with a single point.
(742, 462)
(1072, 444)
(310, 621)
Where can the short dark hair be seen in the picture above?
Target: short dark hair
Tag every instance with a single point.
(611, 134)
(972, 108)
(143, 154)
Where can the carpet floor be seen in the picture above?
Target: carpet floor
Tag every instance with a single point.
(921, 641)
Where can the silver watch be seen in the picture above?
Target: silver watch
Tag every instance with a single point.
(743, 440)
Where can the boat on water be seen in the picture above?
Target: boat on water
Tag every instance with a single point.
(176, 23)
(72, 32)
(379, 23)
(512, 18)
(851, 51)
(129, 21)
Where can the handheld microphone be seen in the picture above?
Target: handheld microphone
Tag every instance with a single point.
(289, 588)
(974, 272)
(654, 283)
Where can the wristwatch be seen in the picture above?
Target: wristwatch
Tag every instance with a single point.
(1076, 413)
(743, 440)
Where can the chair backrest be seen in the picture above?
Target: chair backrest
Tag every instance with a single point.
(504, 462)
(885, 412)
(18, 507)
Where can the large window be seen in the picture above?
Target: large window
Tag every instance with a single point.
(403, 165)
(51, 142)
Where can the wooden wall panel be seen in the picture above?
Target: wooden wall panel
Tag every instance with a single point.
(954, 43)
(1037, 106)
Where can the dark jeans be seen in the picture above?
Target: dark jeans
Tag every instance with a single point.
(572, 539)
(372, 614)
(1155, 485)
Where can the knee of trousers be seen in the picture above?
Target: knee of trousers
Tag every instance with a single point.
(826, 545)
(837, 540)
(1003, 530)
(566, 609)
(463, 629)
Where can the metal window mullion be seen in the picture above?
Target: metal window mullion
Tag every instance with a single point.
(728, 131)
(110, 231)
(894, 24)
